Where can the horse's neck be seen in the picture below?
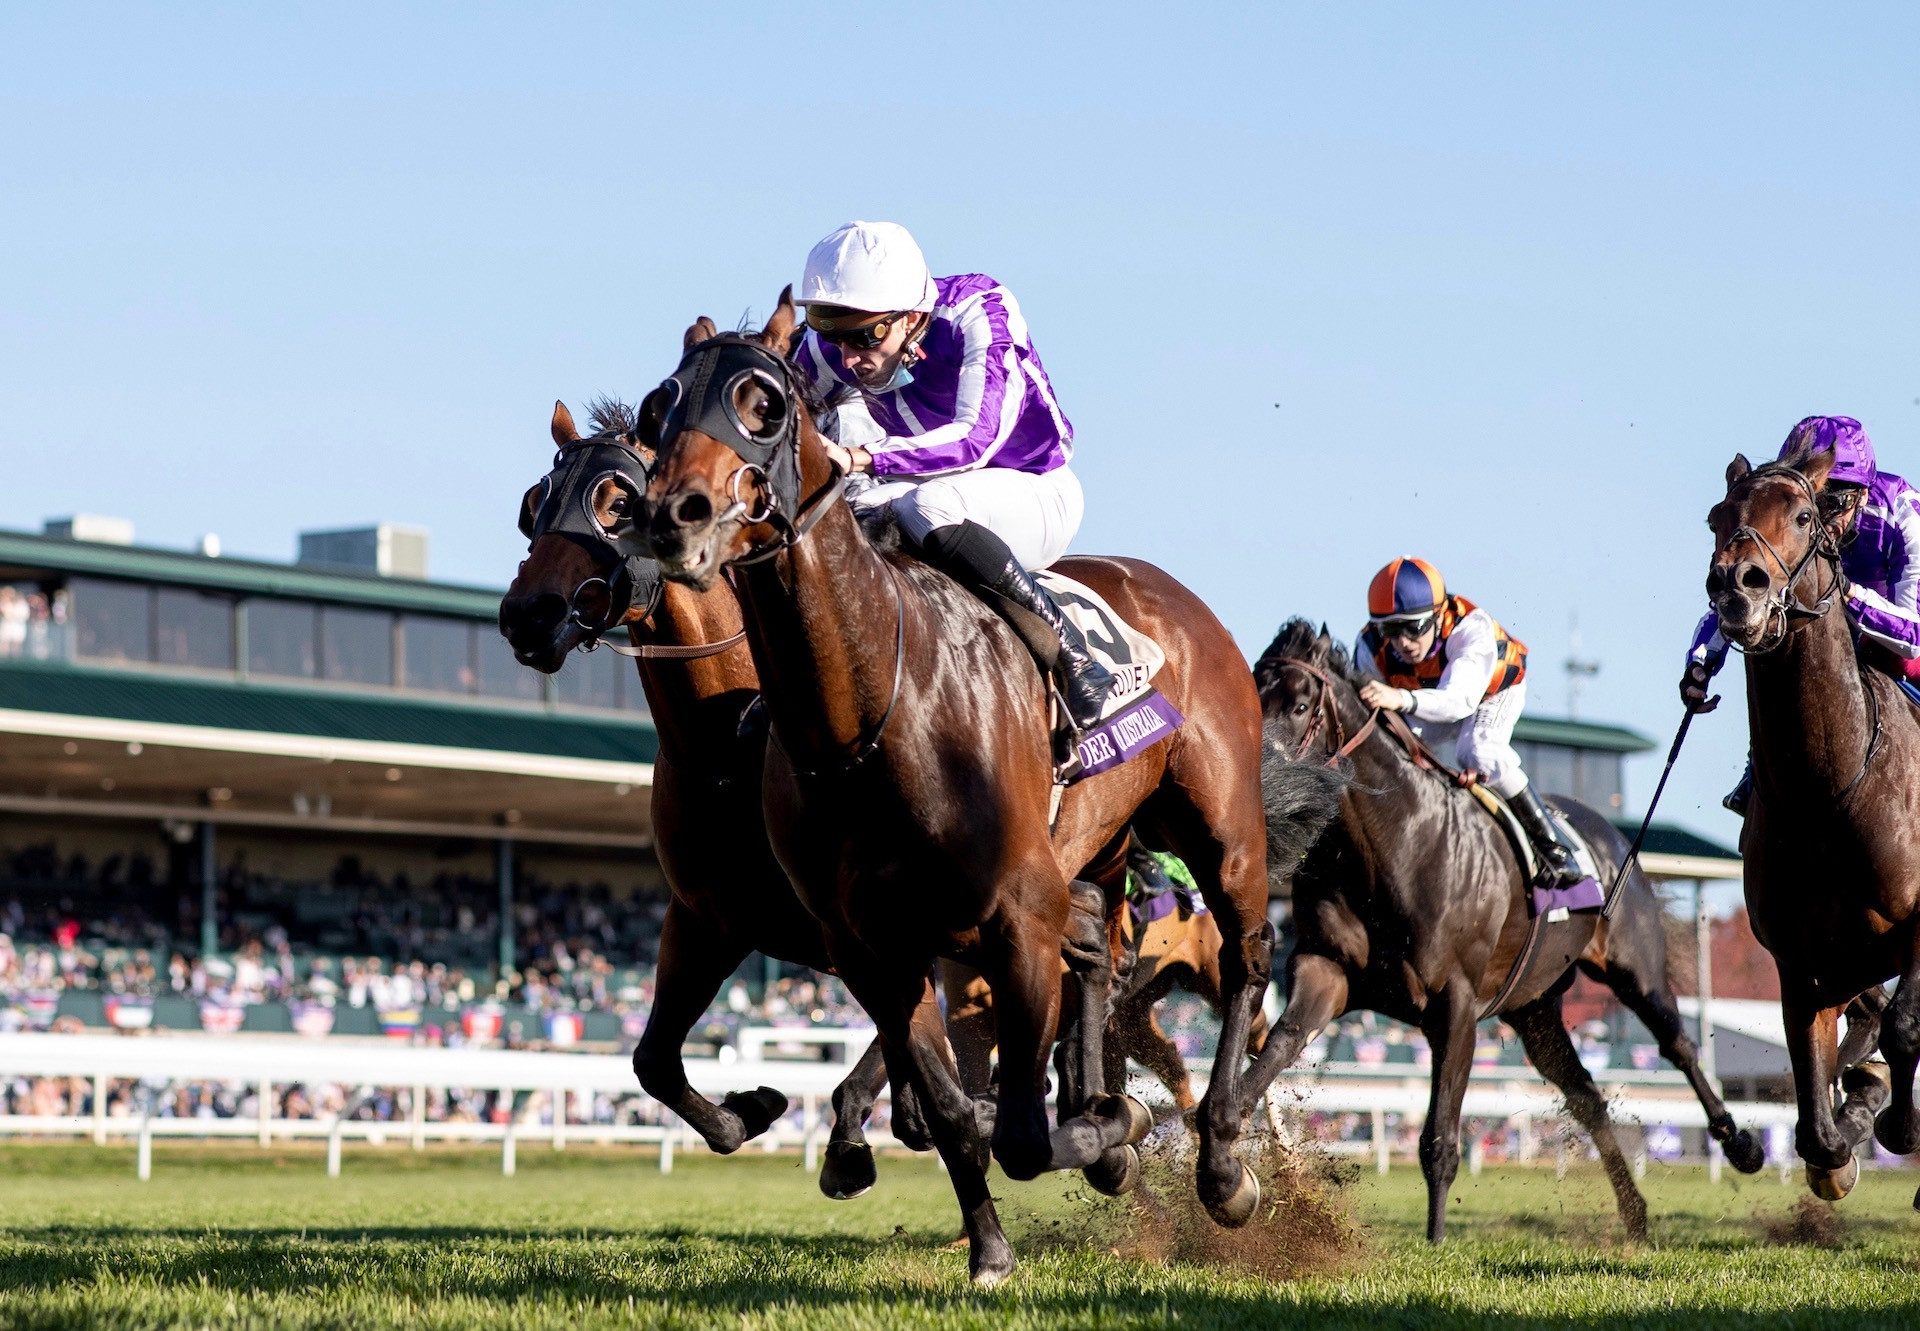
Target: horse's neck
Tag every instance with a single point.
(678, 692)
(822, 618)
(1388, 792)
(1807, 710)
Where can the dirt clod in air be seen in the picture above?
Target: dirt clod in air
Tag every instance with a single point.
(1304, 1225)
(1808, 1223)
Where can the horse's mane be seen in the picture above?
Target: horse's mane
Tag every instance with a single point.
(609, 415)
(1299, 640)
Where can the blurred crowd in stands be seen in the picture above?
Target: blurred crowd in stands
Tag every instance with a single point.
(32, 624)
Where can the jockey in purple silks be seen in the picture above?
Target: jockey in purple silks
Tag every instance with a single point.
(1878, 516)
(967, 448)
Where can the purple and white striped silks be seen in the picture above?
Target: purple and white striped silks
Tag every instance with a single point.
(980, 398)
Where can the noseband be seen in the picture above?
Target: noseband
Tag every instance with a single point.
(1783, 604)
(1326, 716)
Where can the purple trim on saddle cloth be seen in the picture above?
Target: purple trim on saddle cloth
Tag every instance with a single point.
(1139, 725)
(1162, 904)
(1583, 895)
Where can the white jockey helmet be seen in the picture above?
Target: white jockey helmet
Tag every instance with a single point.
(872, 266)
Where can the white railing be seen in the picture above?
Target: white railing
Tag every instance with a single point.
(1515, 1096)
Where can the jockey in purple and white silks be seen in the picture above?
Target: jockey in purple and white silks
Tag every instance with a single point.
(1879, 523)
(967, 448)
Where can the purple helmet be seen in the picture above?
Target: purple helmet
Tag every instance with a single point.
(1853, 462)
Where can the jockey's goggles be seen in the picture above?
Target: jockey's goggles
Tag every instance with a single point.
(859, 329)
(1405, 626)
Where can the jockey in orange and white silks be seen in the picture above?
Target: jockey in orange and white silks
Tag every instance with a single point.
(968, 448)
(1459, 676)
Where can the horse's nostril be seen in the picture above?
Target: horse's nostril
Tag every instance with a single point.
(1716, 579)
(1754, 578)
(692, 510)
(532, 616)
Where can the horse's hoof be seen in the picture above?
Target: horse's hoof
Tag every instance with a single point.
(1237, 1207)
(989, 1264)
(1116, 1173)
(757, 1110)
(1872, 1079)
(1898, 1132)
(1830, 1185)
(848, 1171)
(1123, 1109)
(1744, 1152)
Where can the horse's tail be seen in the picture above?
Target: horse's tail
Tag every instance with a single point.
(1301, 799)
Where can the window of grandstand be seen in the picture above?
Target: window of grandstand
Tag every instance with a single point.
(1591, 776)
(193, 629)
(437, 654)
(113, 620)
(593, 679)
(356, 646)
(33, 623)
(281, 638)
(503, 677)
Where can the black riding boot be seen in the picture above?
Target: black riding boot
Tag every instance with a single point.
(1560, 870)
(981, 562)
(1741, 795)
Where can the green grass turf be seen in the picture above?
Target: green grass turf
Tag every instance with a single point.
(233, 1236)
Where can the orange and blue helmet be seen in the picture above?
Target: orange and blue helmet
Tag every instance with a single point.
(1405, 589)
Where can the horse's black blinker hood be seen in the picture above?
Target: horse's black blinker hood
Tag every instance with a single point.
(565, 509)
(700, 395)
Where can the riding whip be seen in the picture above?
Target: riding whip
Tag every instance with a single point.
(1626, 865)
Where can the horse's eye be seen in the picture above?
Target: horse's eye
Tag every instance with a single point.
(1300, 708)
(618, 507)
(1804, 517)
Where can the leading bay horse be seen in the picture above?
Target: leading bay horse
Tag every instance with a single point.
(1832, 865)
(729, 895)
(1414, 906)
(910, 774)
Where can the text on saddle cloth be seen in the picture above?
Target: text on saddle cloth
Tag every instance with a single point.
(1555, 903)
(1128, 654)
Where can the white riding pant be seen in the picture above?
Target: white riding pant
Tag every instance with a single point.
(1484, 739)
(1036, 514)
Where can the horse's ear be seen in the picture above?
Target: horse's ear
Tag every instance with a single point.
(781, 329)
(702, 329)
(1323, 646)
(1737, 469)
(1818, 467)
(564, 430)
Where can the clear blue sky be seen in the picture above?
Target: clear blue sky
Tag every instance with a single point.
(1503, 285)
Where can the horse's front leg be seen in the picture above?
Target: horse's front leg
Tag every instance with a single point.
(848, 1170)
(1227, 1187)
(897, 995)
(695, 960)
(1317, 994)
(1449, 1025)
(1898, 1126)
(1812, 1047)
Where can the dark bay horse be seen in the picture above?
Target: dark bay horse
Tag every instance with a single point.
(729, 895)
(1414, 906)
(910, 774)
(1832, 862)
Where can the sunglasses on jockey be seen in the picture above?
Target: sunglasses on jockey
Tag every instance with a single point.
(1405, 627)
(859, 329)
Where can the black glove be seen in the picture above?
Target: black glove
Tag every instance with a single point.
(1693, 688)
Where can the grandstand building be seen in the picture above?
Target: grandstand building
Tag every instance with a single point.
(205, 750)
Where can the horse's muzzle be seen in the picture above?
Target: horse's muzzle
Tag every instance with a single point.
(538, 629)
(682, 536)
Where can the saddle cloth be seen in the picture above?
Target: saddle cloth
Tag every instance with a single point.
(1136, 716)
(1558, 902)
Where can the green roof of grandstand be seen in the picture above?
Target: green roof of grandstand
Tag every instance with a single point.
(231, 704)
(1581, 735)
(254, 577)
(1667, 839)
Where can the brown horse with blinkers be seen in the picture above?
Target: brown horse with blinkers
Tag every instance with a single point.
(1832, 864)
(729, 895)
(910, 774)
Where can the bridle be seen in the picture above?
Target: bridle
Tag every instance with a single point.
(700, 396)
(629, 578)
(1783, 605)
(1326, 716)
